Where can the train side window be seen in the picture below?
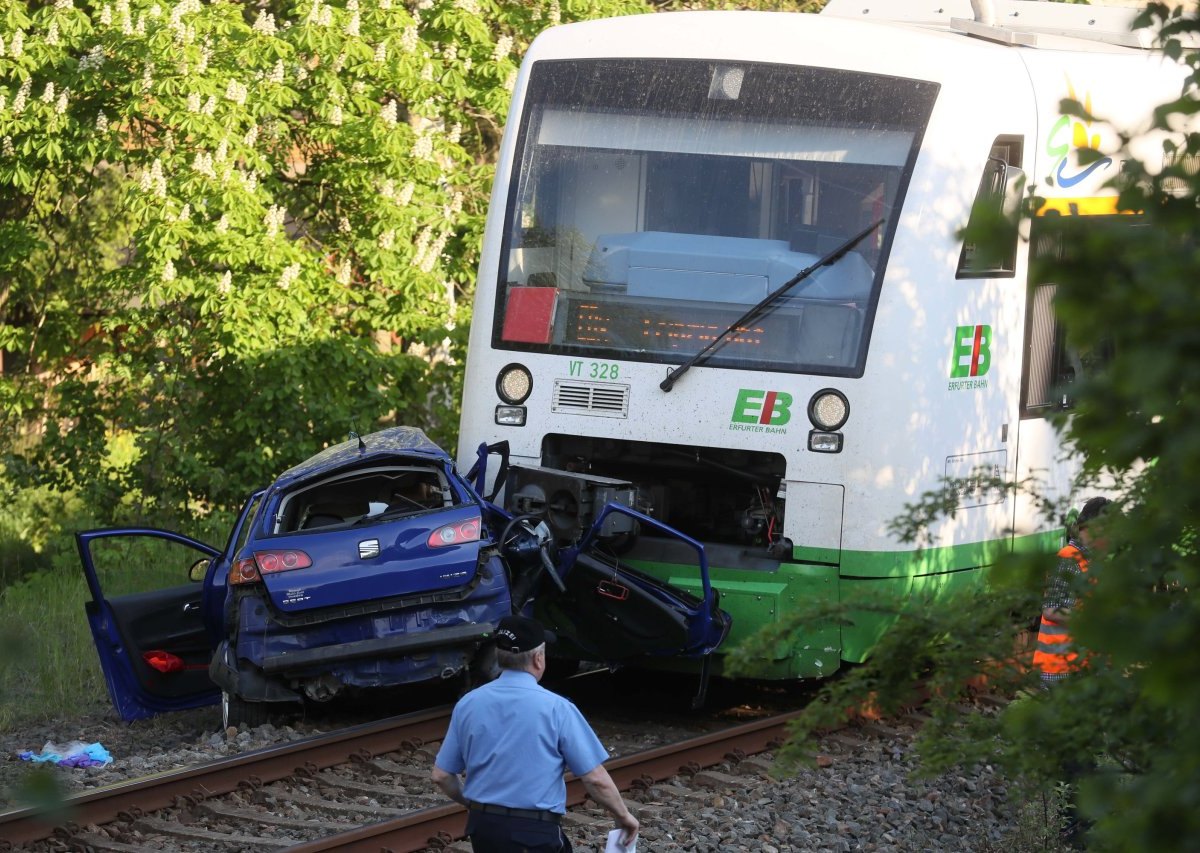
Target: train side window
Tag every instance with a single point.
(1054, 359)
(990, 241)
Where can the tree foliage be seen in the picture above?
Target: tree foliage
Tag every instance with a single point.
(231, 233)
(1133, 424)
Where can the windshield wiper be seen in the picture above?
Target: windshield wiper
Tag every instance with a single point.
(757, 310)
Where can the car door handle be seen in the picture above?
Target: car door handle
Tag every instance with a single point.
(191, 607)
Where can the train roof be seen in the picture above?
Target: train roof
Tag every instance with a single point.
(1016, 23)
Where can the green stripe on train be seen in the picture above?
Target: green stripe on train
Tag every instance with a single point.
(756, 599)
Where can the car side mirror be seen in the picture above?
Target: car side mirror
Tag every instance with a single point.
(198, 569)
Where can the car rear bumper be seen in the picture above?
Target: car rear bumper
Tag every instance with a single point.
(378, 647)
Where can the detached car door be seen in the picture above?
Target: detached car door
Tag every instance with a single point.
(149, 628)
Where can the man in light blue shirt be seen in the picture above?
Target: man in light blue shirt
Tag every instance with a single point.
(513, 740)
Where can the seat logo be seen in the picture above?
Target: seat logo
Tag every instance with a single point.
(368, 548)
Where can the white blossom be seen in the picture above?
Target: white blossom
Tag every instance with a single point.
(429, 261)
(290, 274)
(210, 106)
(222, 224)
(344, 272)
(469, 6)
(154, 181)
(314, 13)
(326, 19)
(106, 15)
(358, 87)
(52, 38)
(7, 147)
(60, 106)
(503, 48)
(226, 283)
(155, 11)
(101, 122)
(450, 53)
(408, 39)
(205, 55)
(140, 29)
(406, 194)
(274, 221)
(249, 180)
(148, 76)
(455, 135)
(381, 53)
(185, 214)
(335, 115)
(193, 102)
(18, 106)
(389, 112)
(222, 152)
(48, 94)
(510, 81)
(93, 59)
(423, 148)
(352, 28)
(169, 140)
(340, 62)
(388, 189)
(301, 73)
(126, 20)
(344, 225)
(265, 24)
(236, 92)
(203, 163)
(17, 46)
(385, 4)
(3, 100)
(168, 273)
(427, 72)
(468, 64)
(277, 73)
(387, 240)
(555, 13)
(251, 137)
(1, 44)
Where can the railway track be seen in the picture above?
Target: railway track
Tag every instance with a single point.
(360, 788)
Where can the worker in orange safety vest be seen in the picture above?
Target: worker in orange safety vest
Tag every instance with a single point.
(1055, 656)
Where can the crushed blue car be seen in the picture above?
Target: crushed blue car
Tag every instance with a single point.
(374, 564)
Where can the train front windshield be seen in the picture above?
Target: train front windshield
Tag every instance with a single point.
(657, 200)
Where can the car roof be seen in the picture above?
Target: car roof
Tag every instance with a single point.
(396, 441)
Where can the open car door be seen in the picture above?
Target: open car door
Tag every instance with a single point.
(151, 637)
(614, 613)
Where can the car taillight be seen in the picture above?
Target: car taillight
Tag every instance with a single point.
(251, 569)
(455, 534)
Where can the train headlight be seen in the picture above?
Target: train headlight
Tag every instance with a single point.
(510, 416)
(824, 442)
(514, 384)
(828, 410)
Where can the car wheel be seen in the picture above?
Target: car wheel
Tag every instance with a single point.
(237, 712)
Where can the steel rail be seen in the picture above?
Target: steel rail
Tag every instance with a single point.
(220, 777)
(439, 826)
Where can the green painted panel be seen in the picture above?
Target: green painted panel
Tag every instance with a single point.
(875, 584)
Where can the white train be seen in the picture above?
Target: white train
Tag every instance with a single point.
(647, 312)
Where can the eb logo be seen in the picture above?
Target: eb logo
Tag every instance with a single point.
(769, 408)
(971, 354)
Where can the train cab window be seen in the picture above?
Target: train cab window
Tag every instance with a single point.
(989, 247)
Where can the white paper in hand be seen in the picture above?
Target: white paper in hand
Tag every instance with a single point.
(614, 844)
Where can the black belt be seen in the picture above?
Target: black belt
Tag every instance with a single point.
(529, 814)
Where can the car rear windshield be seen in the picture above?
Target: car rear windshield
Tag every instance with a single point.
(363, 496)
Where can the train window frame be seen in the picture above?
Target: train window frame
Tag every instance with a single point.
(1051, 362)
(998, 199)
